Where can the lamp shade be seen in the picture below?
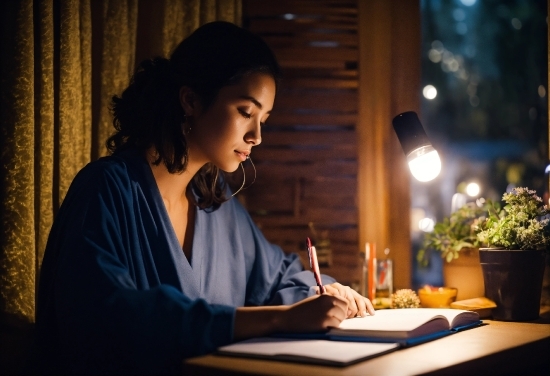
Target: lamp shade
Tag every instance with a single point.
(410, 132)
(422, 158)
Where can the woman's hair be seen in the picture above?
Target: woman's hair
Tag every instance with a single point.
(149, 113)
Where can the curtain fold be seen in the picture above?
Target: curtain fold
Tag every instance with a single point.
(17, 260)
(119, 20)
(61, 62)
(44, 123)
(73, 124)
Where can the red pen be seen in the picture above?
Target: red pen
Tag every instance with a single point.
(314, 265)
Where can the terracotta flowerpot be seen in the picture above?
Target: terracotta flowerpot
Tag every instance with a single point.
(465, 274)
(513, 280)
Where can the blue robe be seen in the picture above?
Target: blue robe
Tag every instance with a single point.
(116, 292)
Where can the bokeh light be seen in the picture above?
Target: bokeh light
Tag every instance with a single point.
(472, 189)
(426, 224)
(429, 92)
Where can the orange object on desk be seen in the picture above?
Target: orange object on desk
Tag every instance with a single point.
(371, 262)
(437, 297)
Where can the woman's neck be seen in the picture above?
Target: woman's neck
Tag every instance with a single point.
(172, 187)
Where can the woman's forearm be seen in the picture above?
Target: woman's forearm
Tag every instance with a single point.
(315, 313)
(257, 321)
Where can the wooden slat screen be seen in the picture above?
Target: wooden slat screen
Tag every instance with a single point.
(307, 163)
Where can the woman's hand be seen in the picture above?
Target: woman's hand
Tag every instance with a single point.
(358, 305)
(313, 314)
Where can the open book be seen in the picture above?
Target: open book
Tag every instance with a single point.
(408, 326)
(406, 323)
(359, 338)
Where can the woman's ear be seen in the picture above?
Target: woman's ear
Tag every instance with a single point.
(188, 101)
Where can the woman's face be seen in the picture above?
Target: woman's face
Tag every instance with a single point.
(225, 133)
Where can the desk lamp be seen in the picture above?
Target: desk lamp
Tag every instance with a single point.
(422, 158)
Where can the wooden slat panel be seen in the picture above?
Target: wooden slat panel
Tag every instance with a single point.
(328, 168)
(316, 54)
(297, 235)
(306, 39)
(318, 83)
(285, 119)
(291, 73)
(297, 155)
(307, 163)
(342, 201)
(312, 64)
(277, 26)
(337, 100)
(348, 254)
(270, 8)
(321, 216)
(323, 187)
(313, 185)
(279, 203)
(307, 138)
(323, 3)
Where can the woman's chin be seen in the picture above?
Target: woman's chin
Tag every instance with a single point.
(229, 168)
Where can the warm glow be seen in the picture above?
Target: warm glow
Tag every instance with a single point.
(426, 224)
(424, 163)
(429, 92)
(416, 215)
(472, 189)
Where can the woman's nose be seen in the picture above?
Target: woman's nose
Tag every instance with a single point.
(254, 137)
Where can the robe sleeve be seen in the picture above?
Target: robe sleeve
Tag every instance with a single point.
(90, 310)
(275, 277)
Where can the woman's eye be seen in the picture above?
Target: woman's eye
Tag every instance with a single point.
(245, 114)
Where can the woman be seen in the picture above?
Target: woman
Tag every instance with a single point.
(149, 260)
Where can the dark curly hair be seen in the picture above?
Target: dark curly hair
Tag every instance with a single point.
(149, 114)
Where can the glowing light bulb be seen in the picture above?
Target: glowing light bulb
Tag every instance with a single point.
(424, 163)
(423, 159)
(472, 189)
(426, 224)
(429, 92)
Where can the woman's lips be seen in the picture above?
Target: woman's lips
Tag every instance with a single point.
(242, 155)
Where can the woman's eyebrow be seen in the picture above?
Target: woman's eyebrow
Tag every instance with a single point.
(253, 100)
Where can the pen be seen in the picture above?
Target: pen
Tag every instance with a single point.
(314, 265)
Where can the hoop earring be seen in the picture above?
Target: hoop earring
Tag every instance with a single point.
(186, 130)
(244, 177)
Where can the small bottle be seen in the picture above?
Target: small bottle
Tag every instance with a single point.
(384, 276)
(368, 275)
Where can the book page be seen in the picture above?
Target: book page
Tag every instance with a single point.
(400, 323)
(399, 320)
(457, 317)
(313, 351)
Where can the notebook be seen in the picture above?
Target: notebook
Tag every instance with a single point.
(310, 351)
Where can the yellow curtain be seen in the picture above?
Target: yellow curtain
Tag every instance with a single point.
(61, 61)
(115, 60)
(17, 117)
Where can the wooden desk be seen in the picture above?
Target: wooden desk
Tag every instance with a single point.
(495, 348)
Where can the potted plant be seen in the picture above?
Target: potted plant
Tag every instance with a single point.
(518, 239)
(455, 238)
